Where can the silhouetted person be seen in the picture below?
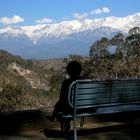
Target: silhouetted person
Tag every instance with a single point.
(74, 70)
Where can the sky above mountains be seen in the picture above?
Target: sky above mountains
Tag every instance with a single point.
(33, 12)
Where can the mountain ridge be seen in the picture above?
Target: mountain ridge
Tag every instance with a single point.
(42, 40)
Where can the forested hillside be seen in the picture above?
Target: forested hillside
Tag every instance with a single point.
(26, 84)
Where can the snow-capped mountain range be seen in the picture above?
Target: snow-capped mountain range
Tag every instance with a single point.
(63, 38)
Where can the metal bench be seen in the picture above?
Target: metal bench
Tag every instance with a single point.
(107, 96)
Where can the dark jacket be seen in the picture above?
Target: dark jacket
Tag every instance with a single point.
(62, 104)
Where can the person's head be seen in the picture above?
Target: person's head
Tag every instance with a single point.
(74, 68)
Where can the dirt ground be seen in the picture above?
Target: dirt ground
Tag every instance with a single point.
(30, 126)
(102, 131)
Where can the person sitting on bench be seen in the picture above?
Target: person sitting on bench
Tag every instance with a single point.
(74, 70)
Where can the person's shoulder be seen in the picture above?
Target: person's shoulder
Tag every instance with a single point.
(66, 81)
(82, 78)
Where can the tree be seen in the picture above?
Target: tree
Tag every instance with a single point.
(135, 30)
(99, 48)
(133, 42)
(118, 40)
(124, 63)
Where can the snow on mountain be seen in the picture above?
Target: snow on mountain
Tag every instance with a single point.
(66, 28)
(13, 39)
(60, 35)
(15, 31)
(32, 31)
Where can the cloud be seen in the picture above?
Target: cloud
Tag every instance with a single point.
(44, 20)
(100, 11)
(80, 16)
(15, 19)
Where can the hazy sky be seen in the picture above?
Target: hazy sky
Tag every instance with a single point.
(32, 12)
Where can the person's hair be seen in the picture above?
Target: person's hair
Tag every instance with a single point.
(74, 68)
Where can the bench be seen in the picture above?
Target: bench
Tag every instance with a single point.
(114, 96)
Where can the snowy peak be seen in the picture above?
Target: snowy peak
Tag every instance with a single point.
(124, 23)
(15, 31)
(66, 28)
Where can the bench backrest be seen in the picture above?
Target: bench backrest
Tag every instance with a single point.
(89, 93)
(125, 91)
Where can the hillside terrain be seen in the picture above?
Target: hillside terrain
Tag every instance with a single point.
(25, 80)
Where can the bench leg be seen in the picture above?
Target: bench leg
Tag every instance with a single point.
(75, 129)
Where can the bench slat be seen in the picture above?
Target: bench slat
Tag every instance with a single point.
(91, 96)
(94, 91)
(93, 85)
(93, 101)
